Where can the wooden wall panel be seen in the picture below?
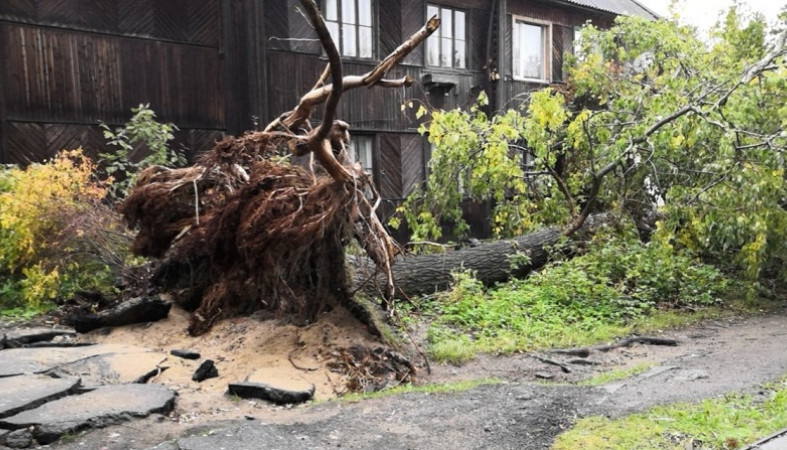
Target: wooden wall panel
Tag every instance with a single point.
(390, 26)
(276, 24)
(557, 53)
(304, 38)
(413, 159)
(18, 9)
(390, 167)
(68, 76)
(187, 21)
(413, 18)
(26, 143)
(69, 137)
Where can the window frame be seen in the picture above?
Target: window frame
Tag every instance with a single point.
(353, 151)
(439, 37)
(339, 38)
(546, 51)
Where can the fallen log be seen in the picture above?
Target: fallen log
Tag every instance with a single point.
(491, 262)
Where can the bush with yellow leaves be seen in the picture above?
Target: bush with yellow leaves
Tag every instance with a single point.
(57, 234)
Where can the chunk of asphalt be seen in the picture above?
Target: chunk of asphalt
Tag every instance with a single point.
(101, 407)
(270, 393)
(20, 337)
(185, 354)
(18, 439)
(26, 392)
(205, 370)
(20, 361)
(112, 368)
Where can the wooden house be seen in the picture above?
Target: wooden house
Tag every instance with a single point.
(225, 66)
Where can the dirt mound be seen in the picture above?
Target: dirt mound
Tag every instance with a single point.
(256, 348)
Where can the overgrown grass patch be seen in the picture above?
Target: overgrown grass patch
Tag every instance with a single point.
(617, 288)
(724, 423)
(615, 375)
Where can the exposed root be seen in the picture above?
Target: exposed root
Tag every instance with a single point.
(251, 231)
(371, 370)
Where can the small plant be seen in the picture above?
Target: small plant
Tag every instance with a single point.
(616, 375)
(141, 129)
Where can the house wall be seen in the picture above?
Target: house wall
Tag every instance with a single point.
(563, 19)
(66, 65)
(226, 66)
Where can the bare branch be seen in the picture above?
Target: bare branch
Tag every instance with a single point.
(319, 95)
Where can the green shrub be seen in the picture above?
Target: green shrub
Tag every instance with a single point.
(141, 129)
(589, 298)
(56, 234)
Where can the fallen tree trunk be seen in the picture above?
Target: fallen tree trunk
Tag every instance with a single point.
(491, 262)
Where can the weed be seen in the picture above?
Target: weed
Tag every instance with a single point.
(57, 236)
(141, 129)
(615, 375)
(723, 423)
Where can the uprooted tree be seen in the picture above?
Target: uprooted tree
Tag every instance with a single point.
(244, 230)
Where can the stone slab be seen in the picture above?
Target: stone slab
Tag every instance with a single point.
(112, 368)
(103, 406)
(25, 392)
(20, 361)
(776, 441)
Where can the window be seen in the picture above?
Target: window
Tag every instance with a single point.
(531, 50)
(447, 47)
(361, 152)
(350, 24)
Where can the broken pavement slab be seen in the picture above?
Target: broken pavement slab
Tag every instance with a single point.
(260, 384)
(113, 368)
(20, 361)
(18, 337)
(25, 392)
(103, 406)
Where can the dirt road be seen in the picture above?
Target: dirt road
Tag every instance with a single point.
(713, 358)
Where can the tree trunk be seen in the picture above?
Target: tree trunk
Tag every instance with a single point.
(492, 262)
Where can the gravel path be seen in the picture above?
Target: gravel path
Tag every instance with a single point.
(712, 359)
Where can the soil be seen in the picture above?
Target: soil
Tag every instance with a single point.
(522, 411)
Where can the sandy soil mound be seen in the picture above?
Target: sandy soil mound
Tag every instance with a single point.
(245, 348)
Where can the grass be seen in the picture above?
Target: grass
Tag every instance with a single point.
(615, 375)
(454, 345)
(589, 299)
(435, 388)
(724, 423)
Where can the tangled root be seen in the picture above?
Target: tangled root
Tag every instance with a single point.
(244, 230)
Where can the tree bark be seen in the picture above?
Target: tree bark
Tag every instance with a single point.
(491, 262)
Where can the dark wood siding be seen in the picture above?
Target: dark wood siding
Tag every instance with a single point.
(68, 64)
(390, 169)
